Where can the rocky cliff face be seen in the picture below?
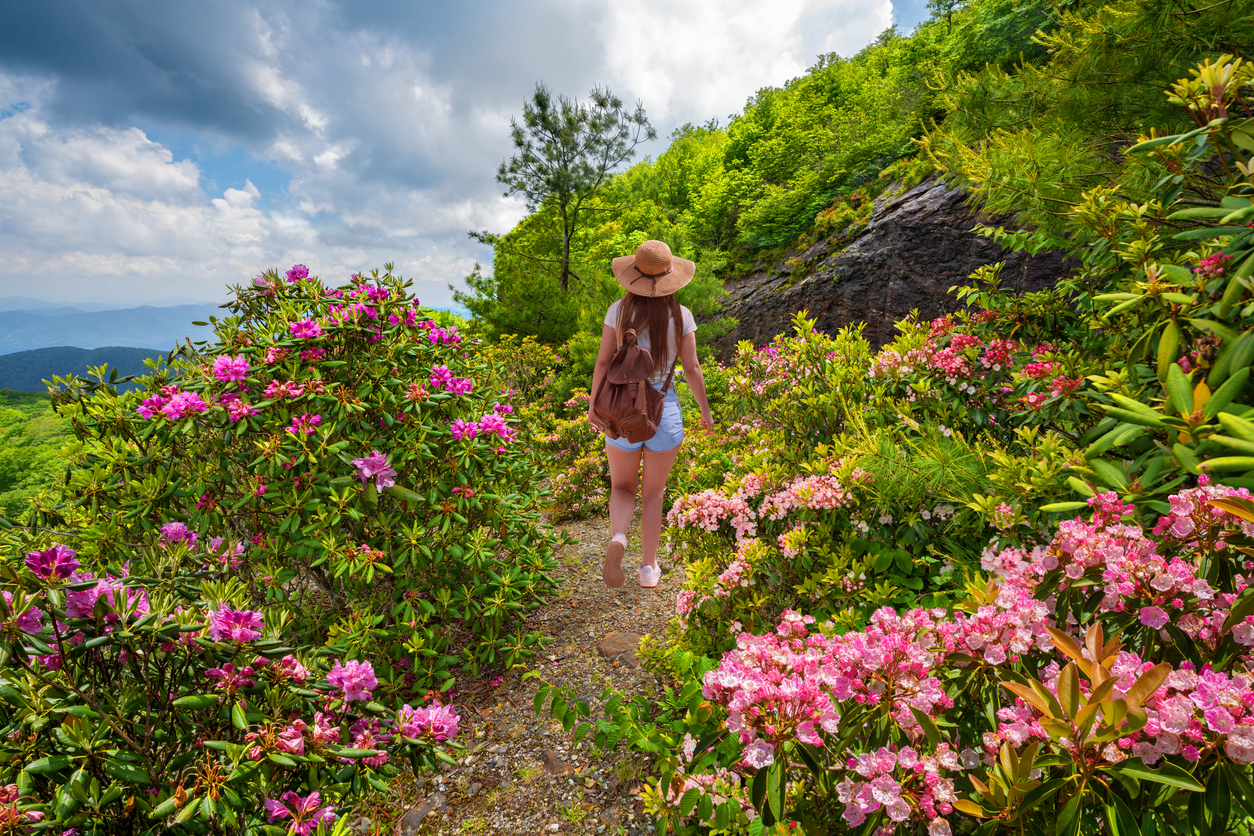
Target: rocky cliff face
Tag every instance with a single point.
(915, 246)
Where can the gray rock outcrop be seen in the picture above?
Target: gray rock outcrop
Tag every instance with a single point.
(915, 246)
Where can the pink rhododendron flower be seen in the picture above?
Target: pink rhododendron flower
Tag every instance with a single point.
(305, 425)
(29, 622)
(355, 678)
(305, 813)
(305, 329)
(227, 369)
(176, 532)
(434, 722)
(55, 564)
(375, 466)
(235, 625)
(298, 272)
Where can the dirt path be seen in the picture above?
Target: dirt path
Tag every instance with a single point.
(520, 773)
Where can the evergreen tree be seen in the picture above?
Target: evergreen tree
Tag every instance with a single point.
(565, 151)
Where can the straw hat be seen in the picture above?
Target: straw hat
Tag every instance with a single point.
(652, 270)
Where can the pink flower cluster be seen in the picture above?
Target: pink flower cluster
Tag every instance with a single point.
(708, 510)
(55, 564)
(305, 425)
(375, 466)
(306, 329)
(442, 378)
(234, 625)
(815, 493)
(490, 424)
(951, 363)
(434, 722)
(356, 678)
(228, 369)
(775, 688)
(441, 336)
(1213, 265)
(307, 814)
(297, 272)
(1038, 371)
(172, 403)
(904, 783)
(999, 354)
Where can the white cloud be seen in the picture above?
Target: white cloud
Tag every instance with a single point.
(691, 60)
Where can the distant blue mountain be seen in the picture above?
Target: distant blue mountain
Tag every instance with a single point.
(26, 371)
(143, 327)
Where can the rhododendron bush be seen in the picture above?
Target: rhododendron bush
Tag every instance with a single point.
(1101, 681)
(352, 465)
(159, 696)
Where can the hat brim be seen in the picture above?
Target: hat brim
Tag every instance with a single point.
(624, 269)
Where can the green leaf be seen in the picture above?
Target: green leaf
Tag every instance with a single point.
(1069, 818)
(1180, 389)
(1168, 773)
(1063, 507)
(196, 701)
(404, 493)
(45, 765)
(929, 727)
(1226, 393)
(239, 718)
(1168, 348)
(1213, 232)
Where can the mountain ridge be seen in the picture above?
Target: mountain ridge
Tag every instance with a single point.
(145, 326)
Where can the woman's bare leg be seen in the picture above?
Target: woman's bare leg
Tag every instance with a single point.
(657, 467)
(624, 478)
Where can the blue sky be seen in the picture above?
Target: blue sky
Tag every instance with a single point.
(151, 149)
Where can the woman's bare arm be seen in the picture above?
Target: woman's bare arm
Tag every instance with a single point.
(692, 374)
(609, 344)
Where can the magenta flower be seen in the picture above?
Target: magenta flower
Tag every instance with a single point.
(305, 425)
(298, 272)
(375, 465)
(306, 329)
(292, 739)
(305, 813)
(232, 678)
(464, 430)
(227, 368)
(176, 532)
(55, 564)
(235, 625)
(356, 678)
(31, 621)
(435, 722)
(182, 404)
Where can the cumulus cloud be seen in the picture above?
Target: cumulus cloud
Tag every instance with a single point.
(704, 58)
(382, 124)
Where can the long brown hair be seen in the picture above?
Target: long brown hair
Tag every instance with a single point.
(657, 313)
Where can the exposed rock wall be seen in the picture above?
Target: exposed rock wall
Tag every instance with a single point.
(915, 246)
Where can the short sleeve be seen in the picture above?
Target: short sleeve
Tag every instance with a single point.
(611, 316)
(690, 324)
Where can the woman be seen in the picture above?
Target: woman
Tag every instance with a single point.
(651, 277)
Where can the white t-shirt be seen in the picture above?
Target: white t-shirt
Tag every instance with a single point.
(661, 366)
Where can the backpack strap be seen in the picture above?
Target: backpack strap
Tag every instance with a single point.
(679, 333)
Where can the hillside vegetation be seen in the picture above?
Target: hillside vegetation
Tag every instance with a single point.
(31, 437)
(26, 371)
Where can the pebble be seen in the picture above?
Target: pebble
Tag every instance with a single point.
(552, 828)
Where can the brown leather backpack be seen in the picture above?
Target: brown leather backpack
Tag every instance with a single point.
(626, 403)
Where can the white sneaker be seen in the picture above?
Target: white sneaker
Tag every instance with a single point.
(649, 576)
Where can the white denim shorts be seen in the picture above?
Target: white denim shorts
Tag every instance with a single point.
(670, 430)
